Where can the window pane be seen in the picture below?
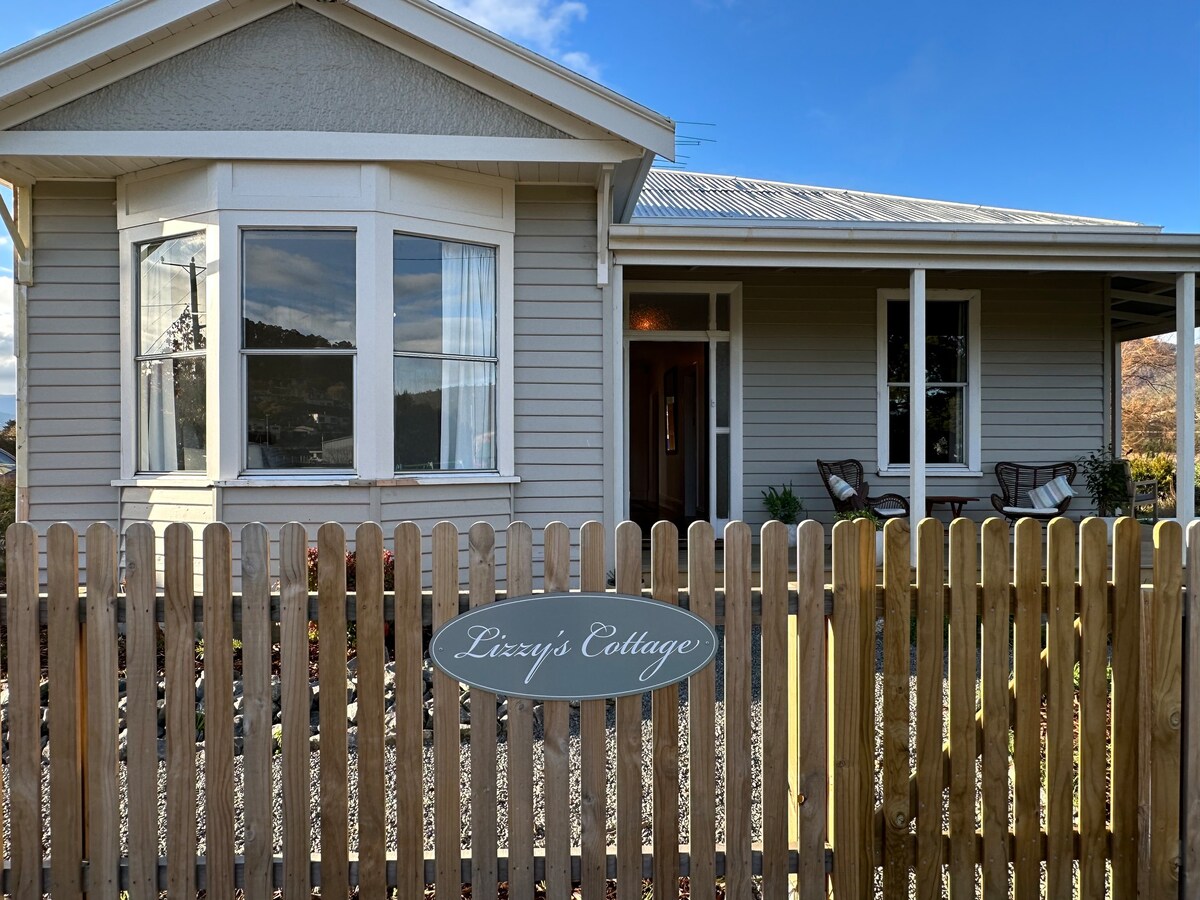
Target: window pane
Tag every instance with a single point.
(722, 397)
(722, 312)
(668, 312)
(171, 301)
(945, 426)
(300, 412)
(945, 341)
(444, 297)
(723, 463)
(445, 414)
(298, 289)
(171, 422)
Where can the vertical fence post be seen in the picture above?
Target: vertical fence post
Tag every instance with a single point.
(1126, 717)
(520, 731)
(774, 680)
(481, 549)
(737, 711)
(25, 714)
(852, 662)
(593, 773)
(1060, 703)
(931, 654)
(446, 760)
(964, 646)
(331, 641)
(555, 731)
(897, 751)
(1191, 717)
(218, 711)
(1166, 708)
(812, 772)
(257, 719)
(1027, 724)
(295, 708)
(664, 585)
(995, 708)
(702, 736)
(371, 656)
(180, 651)
(410, 689)
(141, 674)
(103, 846)
(1093, 659)
(629, 734)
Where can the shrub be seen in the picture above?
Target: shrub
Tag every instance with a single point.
(783, 505)
(851, 514)
(389, 570)
(1159, 466)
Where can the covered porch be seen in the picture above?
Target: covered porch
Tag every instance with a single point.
(808, 351)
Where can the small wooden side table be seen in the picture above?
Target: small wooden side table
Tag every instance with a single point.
(955, 502)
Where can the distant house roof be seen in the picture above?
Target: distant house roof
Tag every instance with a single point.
(671, 196)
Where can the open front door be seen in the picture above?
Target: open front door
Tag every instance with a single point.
(682, 414)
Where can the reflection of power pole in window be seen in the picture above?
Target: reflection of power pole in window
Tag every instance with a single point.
(194, 289)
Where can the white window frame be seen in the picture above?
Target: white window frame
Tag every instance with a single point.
(129, 240)
(972, 419)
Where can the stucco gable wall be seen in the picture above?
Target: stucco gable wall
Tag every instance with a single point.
(294, 70)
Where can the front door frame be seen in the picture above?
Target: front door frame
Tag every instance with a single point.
(712, 337)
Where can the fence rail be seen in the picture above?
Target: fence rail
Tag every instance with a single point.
(1040, 651)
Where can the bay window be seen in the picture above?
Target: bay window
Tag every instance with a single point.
(951, 380)
(298, 340)
(444, 355)
(171, 354)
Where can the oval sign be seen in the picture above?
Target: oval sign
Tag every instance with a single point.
(584, 646)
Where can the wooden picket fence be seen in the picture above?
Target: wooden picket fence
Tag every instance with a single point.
(1040, 650)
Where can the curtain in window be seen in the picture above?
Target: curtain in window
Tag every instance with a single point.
(157, 438)
(468, 329)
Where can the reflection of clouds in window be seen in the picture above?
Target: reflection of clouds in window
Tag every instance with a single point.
(170, 319)
(417, 320)
(301, 281)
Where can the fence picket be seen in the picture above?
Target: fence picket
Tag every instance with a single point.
(257, 716)
(410, 690)
(180, 652)
(1165, 708)
(556, 777)
(812, 753)
(897, 661)
(664, 585)
(852, 661)
(446, 741)
(481, 549)
(737, 711)
(295, 709)
(931, 655)
(1027, 725)
(370, 655)
(1060, 707)
(964, 644)
(629, 733)
(774, 681)
(593, 774)
(994, 785)
(103, 846)
(1126, 677)
(1191, 694)
(1093, 717)
(141, 678)
(331, 702)
(218, 711)
(24, 712)
(520, 733)
(702, 694)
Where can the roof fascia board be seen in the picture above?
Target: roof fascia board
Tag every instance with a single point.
(453, 67)
(125, 66)
(91, 36)
(526, 70)
(1040, 251)
(310, 145)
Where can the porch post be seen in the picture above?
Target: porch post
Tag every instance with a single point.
(916, 397)
(1185, 394)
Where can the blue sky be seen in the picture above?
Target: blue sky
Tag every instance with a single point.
(1090, 108)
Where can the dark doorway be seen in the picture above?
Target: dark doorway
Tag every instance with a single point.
(668, 432)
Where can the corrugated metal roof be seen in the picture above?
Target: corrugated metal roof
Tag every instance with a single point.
(674, 195)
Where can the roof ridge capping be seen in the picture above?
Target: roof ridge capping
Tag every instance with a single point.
(118, 23)
(660, 180)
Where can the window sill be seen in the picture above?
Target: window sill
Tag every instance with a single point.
(351, 481)
(164, 481)
(931, 472)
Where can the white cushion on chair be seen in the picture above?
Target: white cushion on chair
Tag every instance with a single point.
(1030, 510)
(889, 513)
(841, 488)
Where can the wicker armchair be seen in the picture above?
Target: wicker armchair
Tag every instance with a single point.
(1017, 480)
(851, 471)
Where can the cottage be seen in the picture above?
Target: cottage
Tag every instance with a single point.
(364, 260)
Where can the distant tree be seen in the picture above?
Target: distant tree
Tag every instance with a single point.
(1148, 396)
(8, 437)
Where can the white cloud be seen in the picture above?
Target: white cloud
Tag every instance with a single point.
(8, 362)
(540, 24)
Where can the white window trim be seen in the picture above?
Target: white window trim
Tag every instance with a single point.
(974, 427)
(374, 450)
(128, 241)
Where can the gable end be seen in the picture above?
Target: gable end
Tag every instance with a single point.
(294, 70)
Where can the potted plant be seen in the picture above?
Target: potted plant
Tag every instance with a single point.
(851, 515)
(1104, 474)
(785, 506)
